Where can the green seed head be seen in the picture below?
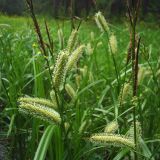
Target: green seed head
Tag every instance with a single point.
(113, 44)
(72, 41)
(101, 22)
(39, 111)
(59, 69)
(112, 139)
(74, 57)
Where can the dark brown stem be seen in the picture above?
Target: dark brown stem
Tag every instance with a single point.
(133, 11)
(42, 44)
(136, 69)
(39, 35)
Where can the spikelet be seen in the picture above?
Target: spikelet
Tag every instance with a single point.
(40, 101)
(125, 93)
(61, 38)
(69, 89)
(41, 112)
(59, 69)
(112, 139)
(101, 22)
(112, 44)
(74, 57)
(112, 127)
(72, 41)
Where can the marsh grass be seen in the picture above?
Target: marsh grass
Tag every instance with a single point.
(24, 72)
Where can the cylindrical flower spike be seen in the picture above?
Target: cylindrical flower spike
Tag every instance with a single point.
(40, 101)
(101, 22)
(59, 69)
(72, 41)
(41, 112)
(70, 91)
(111, 139)
(113, 44)
(61, 38)
(74, 57)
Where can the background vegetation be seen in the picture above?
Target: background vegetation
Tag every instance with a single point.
(61, 8)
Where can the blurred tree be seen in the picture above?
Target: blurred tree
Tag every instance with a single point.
(10, 7)
(77, 7)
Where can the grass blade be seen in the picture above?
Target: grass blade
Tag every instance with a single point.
(44, 143)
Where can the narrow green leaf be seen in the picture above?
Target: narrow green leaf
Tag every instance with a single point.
(44, 143)
(121, 154)
(146, 152)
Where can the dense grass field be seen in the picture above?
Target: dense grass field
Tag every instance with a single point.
(97, 92)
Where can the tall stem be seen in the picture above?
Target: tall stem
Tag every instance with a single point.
(133, 15)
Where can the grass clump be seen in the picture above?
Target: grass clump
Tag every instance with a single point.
(86, 88)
